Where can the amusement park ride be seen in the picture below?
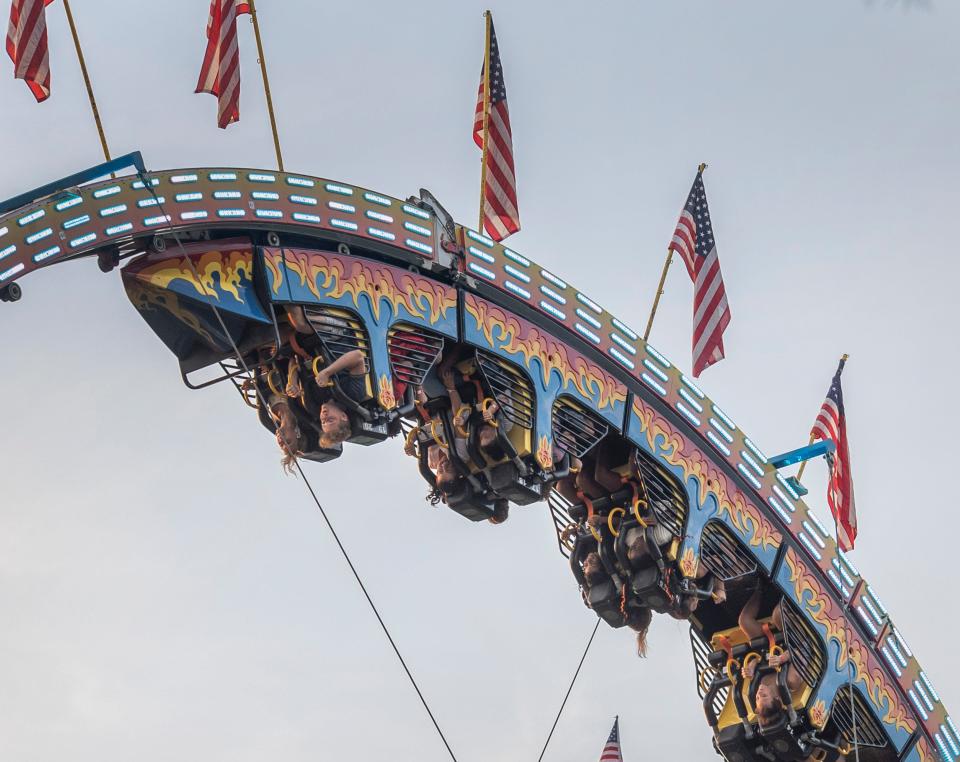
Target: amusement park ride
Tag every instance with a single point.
(215, 258)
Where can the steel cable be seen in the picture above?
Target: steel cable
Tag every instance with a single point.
(144, 177)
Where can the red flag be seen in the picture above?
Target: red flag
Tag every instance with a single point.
(220, 72)
(499, 202)
(693, 241)
(27, 45)
(831, 424)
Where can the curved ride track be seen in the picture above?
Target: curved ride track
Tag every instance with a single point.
(258, 240)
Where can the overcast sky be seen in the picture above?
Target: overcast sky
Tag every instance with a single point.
(166, 593)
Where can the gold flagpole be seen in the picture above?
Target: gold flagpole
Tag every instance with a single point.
(656, 299)
(266, 84)
(803, 465)
(486, 112)
(86, 80)
(663, 278)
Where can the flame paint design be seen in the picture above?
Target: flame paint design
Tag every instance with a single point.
(226, 270)
(749, 521)
(337, 276)
(925, 752)
(818, 714)
(147, 299)
(520, 337)
(545, 453)
(273, 260)
(822, 610)
(387, 399)
(689, 563)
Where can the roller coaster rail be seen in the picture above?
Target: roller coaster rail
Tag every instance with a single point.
(283, 237)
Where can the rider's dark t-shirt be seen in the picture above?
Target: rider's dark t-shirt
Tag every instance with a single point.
(354, 386)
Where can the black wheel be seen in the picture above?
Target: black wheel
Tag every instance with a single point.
(11, 293)
(108, 260)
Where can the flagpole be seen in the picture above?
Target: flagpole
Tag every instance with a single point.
(663, 278)
(266, 84)
(804, 464)
(656, 299)
(843, 361)
(86, 80)
(486, 111)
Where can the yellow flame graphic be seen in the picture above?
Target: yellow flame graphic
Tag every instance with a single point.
(387, 399)
(522, 338)
(818, 714)
(545, 453)
(232, 267)
(689, 563)
(821, 609)
(730, 499)
(926, 753)
(146, 299)
(336, 276)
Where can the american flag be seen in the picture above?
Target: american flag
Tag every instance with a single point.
(831, 424)
(27, 45)
(693, 241)
(220, 73)
(611, 751)
(498, 207)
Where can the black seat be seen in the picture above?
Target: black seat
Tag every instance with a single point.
(369, 432)
(604, 599)
(471, 504)
(780, 739)
(649, 586)
(506, 481)
(737, 744)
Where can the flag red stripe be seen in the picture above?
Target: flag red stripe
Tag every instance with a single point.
(499, 208)
(27, 45)
(830, 424)
(220, 71)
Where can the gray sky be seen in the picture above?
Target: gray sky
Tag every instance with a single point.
(166, 593)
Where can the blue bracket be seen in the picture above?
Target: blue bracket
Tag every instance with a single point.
(134, 160)
(821, 447)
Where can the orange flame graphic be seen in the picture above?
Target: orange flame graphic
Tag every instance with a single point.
(545, 453)
(387, 399)
(147, 298)
(232, 267)
(818, 714)
(730, 499)
(689, 563)
(819, 606)
(335, 277)
(519, 337)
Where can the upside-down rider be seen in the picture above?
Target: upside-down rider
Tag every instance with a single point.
(350, 370)
(769, 706)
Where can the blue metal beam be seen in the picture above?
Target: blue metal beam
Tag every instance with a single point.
(126, 161)
(801, 454)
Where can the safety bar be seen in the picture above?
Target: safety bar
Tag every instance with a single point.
(603, 503)
(575, 559)
(759, 643)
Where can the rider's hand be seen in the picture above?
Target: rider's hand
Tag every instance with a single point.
(776, 660)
